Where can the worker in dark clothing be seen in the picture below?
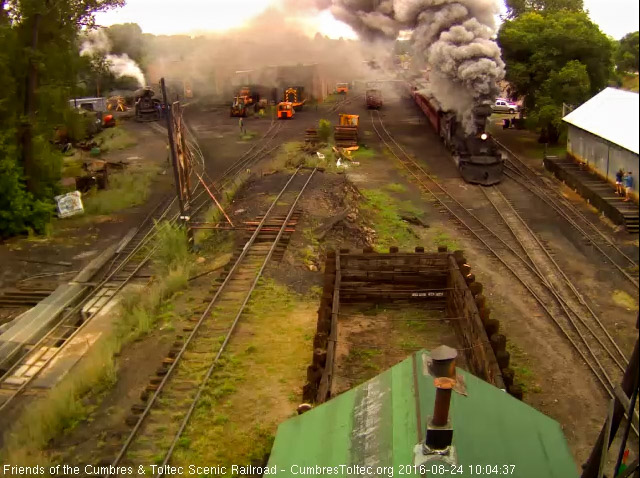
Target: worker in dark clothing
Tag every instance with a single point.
(619, 177)
(241, 124)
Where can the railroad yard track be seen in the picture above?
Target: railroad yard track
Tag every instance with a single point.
(510, 240)
(163, 419)
(133, 254)
(345, 102)
(130, 257)
(518, 171)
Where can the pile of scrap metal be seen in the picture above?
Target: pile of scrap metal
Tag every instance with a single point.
(147, 107)
(96, 175)
(346, 133)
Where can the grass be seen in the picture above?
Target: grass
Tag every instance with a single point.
(289, 156)
(363, 153)
(127, 189)
(624, 300)
(248, 135)
(521, 365)
(112, 139)
(67, 404)
(526, 143)
(240, 410)
(384, 212)
(396, 188)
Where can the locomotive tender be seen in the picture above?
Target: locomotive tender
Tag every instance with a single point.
(476, 156)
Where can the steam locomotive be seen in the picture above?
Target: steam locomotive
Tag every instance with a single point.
(476, 156)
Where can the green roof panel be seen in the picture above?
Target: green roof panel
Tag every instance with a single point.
(376, 425)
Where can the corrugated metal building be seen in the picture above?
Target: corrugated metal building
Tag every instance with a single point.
(603, 132)
(382, 424)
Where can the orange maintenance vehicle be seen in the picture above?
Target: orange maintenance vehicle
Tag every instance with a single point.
(342, 88)
(285, 110)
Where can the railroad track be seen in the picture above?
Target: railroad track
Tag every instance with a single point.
(134, 253)
(345, 102)
(530, 263)
(518, 171)
(167, 412)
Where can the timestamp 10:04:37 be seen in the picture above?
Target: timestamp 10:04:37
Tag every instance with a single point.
(460, 470)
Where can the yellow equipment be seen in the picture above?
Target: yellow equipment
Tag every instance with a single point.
(116, 103)
(346, 133)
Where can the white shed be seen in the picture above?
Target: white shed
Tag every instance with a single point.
(603, 132)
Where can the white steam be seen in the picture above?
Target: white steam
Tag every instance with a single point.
(451, 38)
(97, 42)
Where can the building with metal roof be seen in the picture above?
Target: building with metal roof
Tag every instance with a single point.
(389, 426)
(603, 132)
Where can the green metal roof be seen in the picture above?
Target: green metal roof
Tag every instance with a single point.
(376, 424)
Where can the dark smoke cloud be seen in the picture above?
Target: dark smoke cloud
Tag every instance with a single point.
(451, 38)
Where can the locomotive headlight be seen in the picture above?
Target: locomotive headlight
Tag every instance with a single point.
(484, 136)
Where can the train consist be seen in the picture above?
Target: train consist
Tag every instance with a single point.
(476, 155)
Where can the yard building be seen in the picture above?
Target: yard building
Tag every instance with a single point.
(603, 133)
(411, 421)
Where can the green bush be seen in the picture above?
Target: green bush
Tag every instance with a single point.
(19, 210)
(324, 130)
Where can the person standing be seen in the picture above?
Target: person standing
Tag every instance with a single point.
(241, 124)
(619, 177)
(628, 183)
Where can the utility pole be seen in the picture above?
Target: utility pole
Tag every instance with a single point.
(184, 217)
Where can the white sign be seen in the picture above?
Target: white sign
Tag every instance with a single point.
(69, 204)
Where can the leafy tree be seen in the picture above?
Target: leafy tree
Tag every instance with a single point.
(627, 52)
(39, 64)
(515, 8)
(553, 58)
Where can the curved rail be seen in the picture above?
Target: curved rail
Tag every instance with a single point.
(553, 311)
(522, 173)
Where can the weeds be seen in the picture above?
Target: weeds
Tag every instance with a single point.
(395, 188)
(383, 211)
(112, 139)
(125, 190)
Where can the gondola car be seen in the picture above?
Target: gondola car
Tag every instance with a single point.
(476, 155)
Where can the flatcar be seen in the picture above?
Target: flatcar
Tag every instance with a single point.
(476, 155)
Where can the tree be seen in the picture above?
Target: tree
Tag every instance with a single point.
(553, 58)
(39, 62)
(627, 52)
(515, 8)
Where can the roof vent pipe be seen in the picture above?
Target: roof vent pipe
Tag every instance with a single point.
(439, 435)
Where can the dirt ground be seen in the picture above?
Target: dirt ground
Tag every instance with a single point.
(372, 339)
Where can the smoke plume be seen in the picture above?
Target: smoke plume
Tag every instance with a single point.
(451, 38)
(97, 42)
